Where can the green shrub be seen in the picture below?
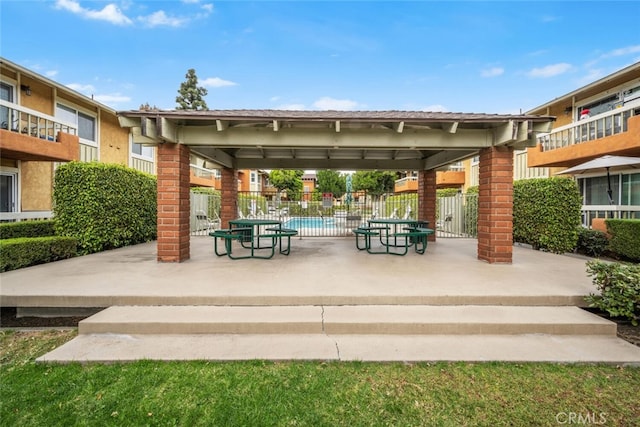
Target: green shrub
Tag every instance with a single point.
(13, 230)
(26, 251)
(591, 242)
(619, 286)
(625, 237)
(104, 206)
(546, 213)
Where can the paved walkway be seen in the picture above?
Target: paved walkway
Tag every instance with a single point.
(318, 271)
(335, 285)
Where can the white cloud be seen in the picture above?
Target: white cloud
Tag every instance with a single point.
(161, 19)
(328, 103)
(51, 73)
(113, 99)
(492, 72)
(622, 51)
(110, 13)
(82, 88)
(217, 82)
(550, 70)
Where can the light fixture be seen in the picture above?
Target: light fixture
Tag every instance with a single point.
(567, 111)
(26, 89)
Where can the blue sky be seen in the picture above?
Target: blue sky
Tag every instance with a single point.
(485, 57)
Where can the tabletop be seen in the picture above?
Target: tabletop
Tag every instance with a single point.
(249, 222)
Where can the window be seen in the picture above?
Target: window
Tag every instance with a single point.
(142, 150)
(595, 190)
(6, 94)
(253, 177)
(631, 189)
(86, 124)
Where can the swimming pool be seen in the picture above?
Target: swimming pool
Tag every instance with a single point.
(309, 222)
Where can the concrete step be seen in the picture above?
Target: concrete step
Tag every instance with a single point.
(107, 348)
(347, 320)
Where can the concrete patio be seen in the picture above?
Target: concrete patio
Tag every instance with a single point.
(444, 305)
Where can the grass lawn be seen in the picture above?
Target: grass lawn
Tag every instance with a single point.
(306, 393)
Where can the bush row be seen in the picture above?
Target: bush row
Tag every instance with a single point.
(104, 206)
(25, 251)
(13, 230)
(546, 213)
(619, 286)
(625, 237)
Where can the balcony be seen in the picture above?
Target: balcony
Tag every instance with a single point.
(31, 135)
(616, 132)
(201, 177)
(450, 179)
(406, 184)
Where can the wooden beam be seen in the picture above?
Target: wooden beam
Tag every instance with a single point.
(167, 130)
(216, 156)
(276, 126)
(347, 138)
(505, 133)
(450, 127)
(444, 158)
(337, 125)
(398, 127)
(222, 125)
(139, 138)
(128, 122)
(148, 128)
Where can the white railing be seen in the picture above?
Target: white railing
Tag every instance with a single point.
(606, 124)
(25, 216)
(31, 122)
(589, 212)
(406, 179)
(204, 173)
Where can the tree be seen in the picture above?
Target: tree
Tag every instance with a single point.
(375, 183)
(330, 181)
(190, 95)
(287, 180)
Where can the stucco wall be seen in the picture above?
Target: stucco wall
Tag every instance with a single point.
(114, 141)
(37, 186)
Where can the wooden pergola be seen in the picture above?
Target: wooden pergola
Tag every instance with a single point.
(351, 140)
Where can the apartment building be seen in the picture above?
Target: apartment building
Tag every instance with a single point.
(42, 123)
(601, 118)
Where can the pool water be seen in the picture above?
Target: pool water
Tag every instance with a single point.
(309, 222)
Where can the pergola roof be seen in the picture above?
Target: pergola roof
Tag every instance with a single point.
(283, 139)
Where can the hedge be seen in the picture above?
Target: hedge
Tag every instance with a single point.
(625, 237)
(26, 251)
(14, 230)
(619, 286)
(546, 213)
(104, 206)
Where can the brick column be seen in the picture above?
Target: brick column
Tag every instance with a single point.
(173, 202)
(495, 205)
(427, 199)
(229, 196)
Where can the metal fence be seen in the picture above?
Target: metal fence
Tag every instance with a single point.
(456, 216)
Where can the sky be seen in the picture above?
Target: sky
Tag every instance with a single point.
(502, 57)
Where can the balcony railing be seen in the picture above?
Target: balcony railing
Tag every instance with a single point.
(24, 120)
(590, 212)
(607, 124)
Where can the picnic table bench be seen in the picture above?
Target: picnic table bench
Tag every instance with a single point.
(414, 234)
(248, 233)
